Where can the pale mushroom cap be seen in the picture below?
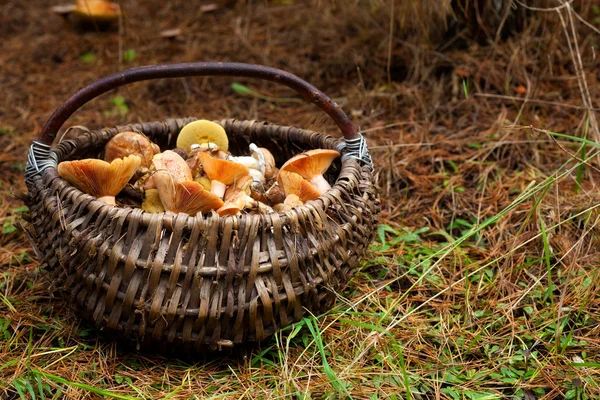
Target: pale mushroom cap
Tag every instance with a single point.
(152, 203)
(202, 131)
(241, 185)
(222, 171)
(131, 143)
(293, 183)
(311, 163)
(234, 205)
(97, 177)
(290, 202)
(97, 9)
(293, 201)
(172, 163)
(186, 196)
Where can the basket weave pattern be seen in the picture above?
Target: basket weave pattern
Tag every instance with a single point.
(205, 281)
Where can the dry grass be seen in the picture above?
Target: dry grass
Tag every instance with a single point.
(483, 282)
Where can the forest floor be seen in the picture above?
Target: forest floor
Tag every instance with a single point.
(483, 280)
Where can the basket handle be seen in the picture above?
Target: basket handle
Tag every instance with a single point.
(306, 90)
(42, 157)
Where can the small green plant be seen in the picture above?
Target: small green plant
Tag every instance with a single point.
(88, 58)
(246, 91)
(119, 107)
(128, 55)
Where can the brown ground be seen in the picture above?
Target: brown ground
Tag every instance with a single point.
(446, 125)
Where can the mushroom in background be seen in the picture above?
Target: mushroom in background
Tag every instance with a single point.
(91, 12)
(99, 178)
(97, 10)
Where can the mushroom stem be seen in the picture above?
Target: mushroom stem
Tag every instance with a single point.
(246, 161)
(256, 175)
(218, 188)
(319, 182)
(108, 200)
(259, 157)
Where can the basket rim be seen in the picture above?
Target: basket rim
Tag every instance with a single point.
(169, 219)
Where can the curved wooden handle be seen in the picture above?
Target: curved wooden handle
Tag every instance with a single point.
(306, 90)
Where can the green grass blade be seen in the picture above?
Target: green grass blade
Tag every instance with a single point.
(91, 389)
(331, 375)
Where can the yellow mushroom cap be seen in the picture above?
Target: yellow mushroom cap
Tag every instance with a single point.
(131, 143)
(186, 196)
(97, 177)
(222, 171)
(204, 181)
(311, 163)
(293, 183)
(202, 131)
(152, 203)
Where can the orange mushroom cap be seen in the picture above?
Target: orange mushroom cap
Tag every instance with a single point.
(293, 183)
(185, 196)
(99, 178)
(311, 163)
(234, 205)
(101, 10)
(222, 171)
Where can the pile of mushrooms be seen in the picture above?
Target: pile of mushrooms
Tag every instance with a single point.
(200, 175)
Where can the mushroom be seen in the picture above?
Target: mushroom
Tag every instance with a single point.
(99, 178)
(63, 9)
(261, 161)
(211, 149)
(131, 143)
(290, 202)
(234, 205)
(152, 203)
(204, 181)
(97, 10)
(221, 173)
(257, 176)
(200, 132)
(171, 162)
(242, 184)
(184, 196)
(266, 160)
(293, 183)
(311, 165)
(275, 194)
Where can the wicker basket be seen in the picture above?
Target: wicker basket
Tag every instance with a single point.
(204, 282)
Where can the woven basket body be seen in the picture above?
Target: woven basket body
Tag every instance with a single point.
(191, 283)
